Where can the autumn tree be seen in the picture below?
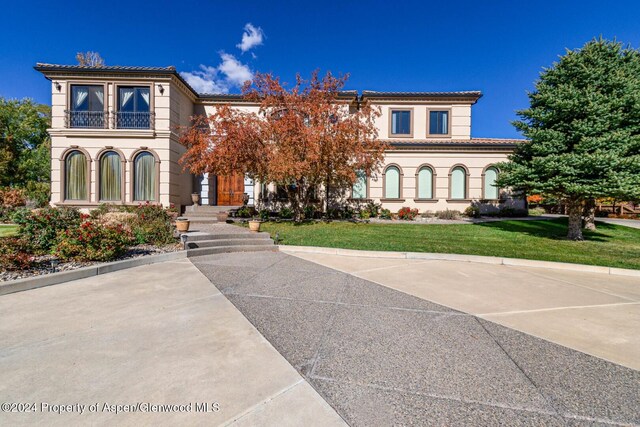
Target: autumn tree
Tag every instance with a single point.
(308, 136)
(89, 59)
(583, 127)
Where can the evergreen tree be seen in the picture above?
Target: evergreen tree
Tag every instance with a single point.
(583, 127)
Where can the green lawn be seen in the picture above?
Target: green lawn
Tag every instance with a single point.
(611, 245)
(8, 230)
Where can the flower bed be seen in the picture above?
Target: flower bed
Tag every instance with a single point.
(77, 240)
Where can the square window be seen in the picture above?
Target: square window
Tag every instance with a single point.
(438, 122)
(400, 122)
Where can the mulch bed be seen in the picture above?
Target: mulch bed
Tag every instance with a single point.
(42, 263)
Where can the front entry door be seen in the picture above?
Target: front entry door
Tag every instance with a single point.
(230, 190)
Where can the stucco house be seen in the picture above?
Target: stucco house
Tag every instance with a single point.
(114, 140)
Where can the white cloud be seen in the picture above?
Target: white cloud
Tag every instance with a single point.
(206, 80)
(235, 72)
(251, 37)
(230, 73)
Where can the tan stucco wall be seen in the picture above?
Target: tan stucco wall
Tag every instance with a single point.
(174, 105)
(442, 162)
(460, 119)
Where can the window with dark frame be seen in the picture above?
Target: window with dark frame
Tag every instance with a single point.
(438, 122)
(401, 122)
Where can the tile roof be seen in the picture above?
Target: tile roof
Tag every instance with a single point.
(472, 141)
(52, 67)
(465, 94)
(171, 70)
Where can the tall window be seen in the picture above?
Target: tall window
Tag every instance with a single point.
(144, 177)
(87, 107)
(110, 177)
(392, 183)
(76, 175)
(458, 183)
(438, 122)
(133, 108)
(400, 122)
(491, 192)
(425, 183)
(359, 190)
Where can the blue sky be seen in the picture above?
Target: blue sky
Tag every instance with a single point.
(496, 46)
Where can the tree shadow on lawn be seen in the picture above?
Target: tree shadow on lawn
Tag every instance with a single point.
(555, 229)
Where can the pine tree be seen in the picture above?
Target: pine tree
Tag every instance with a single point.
(583, 127)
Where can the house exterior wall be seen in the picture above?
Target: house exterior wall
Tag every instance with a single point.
(173, 104)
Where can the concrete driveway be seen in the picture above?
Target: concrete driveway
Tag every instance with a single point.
(380, 356)
(598, 314)
(155, 335)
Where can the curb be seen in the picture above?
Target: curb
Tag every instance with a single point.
(25, 284)
(467, 258)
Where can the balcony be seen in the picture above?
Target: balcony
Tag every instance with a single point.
(105, 120)
(86, 119)
(134, 120)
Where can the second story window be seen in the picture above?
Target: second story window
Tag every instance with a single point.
(400, 122)
(87, 107)
(438, 122)
(133, 108)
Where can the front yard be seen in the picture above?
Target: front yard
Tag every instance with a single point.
(8, 230)
(610, 245)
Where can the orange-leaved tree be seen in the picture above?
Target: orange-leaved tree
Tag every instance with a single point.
(309, 136)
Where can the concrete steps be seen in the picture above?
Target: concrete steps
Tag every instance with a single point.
(203, 243)
(206, 214)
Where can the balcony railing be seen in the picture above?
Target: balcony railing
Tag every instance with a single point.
(100, 120)
(134, 120)
(86, 119)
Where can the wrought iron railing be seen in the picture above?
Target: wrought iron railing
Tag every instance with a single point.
(86, 119)
(134, 120)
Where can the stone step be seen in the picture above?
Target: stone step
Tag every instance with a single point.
(197, 236)
(228, 242)
(203, 220)
(226, 249)
(209, 209)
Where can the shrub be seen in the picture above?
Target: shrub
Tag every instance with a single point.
(408, 214)
(92, 241)
(310, 212)
(536, 211)
(14, 254)
(448, 214)
(472, 211)
(245, 212)
(38, 193)
(40, 227)
(12, 197)
(154, 224)
(126, 219)
(285, 213)
(264, 214)
(385, 214)
(372, 209)
(428, 214)
(365, 214)
(510, 212)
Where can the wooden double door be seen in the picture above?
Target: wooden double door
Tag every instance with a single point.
(230, 190)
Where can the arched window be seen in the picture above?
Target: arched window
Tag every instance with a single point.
(76, 176)
(458, 183)
(359, 190)
(392, 183)
(491, 192)
(144, 177)
(425, 183)
(110, 177)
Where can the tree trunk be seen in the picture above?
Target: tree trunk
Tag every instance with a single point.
(574, 210)
(590, 214)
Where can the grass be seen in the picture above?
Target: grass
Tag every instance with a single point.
(8, 230)
(610, 245)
